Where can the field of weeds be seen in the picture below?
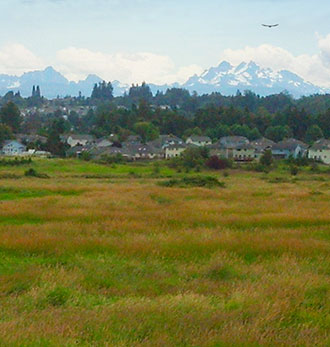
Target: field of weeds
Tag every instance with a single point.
(97, 256)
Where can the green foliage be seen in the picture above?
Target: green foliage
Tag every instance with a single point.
(314, 133)
(33, 173)
(267, 158)
(294, 170)
(193, 157)
(5, 133)
(277, 133)
(10, 116)
(216, 163)
(194, 181)
(58, 297)
(15, 162)
(146, 130)
(102, 92)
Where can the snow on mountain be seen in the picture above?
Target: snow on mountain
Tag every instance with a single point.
(227, 79)
(224, 78)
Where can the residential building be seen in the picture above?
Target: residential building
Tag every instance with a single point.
(260, 146)
(320, 151)
(13, 148)
(289, 148)
(199, 141)
(75, 140)
(175, 150)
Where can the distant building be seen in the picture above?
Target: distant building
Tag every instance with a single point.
(199, 141)
(175, 150)
(233, 147)
(289, 148)
(75, 140)
(260, 146)
(166, 140)
(12, 148)
(320, 151)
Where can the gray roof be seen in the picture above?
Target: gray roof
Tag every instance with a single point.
(289, 145)
(233, 141)
(262, 143)
(81, 137)
(197, 138)
(323, 144)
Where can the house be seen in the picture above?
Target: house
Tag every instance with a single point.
(243, 153)
(166, 140)
(199, 141)
(103, 142)
(175, 150)
(143, 151)
(233, 147)
(74, 140)
(12, 148)
(289, 148)
(320, 151)
(233, 141)
(132, 140)
(260, 146)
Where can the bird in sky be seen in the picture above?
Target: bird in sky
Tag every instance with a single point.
(270, 25)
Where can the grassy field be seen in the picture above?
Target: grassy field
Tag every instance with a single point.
(104, 256)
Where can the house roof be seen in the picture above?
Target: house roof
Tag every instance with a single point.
(289, 144)
(233, 140)
(197, 138)
(177, 146)
(321, 144)
(262, 143)
(83, 137)
(7, 142)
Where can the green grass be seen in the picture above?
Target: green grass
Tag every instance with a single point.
(117, 260)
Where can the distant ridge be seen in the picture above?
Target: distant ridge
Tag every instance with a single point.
(224, 78)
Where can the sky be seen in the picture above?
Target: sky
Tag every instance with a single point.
(163, 41)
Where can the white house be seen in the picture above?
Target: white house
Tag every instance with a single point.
(12, 148)
(173, 151)
(74, 140)
(320, 151)
(199, 141)
(290, 147)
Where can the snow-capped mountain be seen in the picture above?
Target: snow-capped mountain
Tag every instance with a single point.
(224, 78)
(227, 79)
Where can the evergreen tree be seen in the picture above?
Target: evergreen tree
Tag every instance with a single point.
(10, 115)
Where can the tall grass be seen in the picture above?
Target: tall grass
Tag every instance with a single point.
(129, 263)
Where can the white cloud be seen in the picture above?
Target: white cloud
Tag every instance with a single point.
(313, 68)
(76, 63)
(17, 59)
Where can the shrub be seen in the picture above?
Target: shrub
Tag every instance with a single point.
(267, 158)
(217, 163)
(33, 173)
(58, 297)
(15, 162)
(193, 181)
(294, 170)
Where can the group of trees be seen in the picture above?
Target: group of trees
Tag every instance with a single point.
(175, 112)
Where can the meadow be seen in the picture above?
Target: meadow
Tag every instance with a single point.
(100, 255)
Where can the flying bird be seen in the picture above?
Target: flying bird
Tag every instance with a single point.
(270, 25)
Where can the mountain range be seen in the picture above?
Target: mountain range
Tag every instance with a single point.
(224, 78)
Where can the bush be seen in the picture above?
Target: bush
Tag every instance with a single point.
(58, 297)
(33, 173)
(15, 162)
(294, 170)
(193, 181)
(217, 163)
(267, 158)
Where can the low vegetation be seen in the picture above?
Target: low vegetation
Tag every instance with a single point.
(118, 260)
